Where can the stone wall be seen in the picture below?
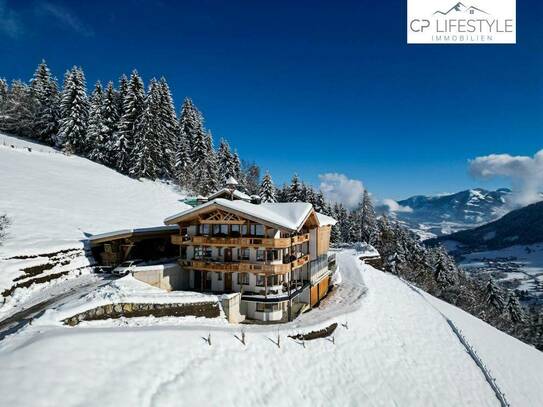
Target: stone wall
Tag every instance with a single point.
(131, 310)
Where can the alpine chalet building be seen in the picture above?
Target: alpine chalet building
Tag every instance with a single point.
(274, 254)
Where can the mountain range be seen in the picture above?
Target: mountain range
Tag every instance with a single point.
(522, 226)
(432, 216)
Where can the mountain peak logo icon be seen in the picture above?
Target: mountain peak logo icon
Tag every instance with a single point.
(461, 8)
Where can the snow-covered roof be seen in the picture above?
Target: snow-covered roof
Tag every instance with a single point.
(325, 220)
(231, 181)
(285, 215)
(124, 233)
(226, 191)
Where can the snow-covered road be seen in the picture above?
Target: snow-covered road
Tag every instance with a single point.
(397, 350)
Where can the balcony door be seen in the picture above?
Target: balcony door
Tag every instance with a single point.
(227, 282)
(227, 255)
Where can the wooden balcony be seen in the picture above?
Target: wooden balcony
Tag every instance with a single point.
(280, 243)
(236, 267)
(300, 238)
(300, 262)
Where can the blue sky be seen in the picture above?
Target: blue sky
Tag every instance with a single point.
(310, 87)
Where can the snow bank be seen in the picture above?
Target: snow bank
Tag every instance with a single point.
(54, 201)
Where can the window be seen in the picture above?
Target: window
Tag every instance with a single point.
(224, 229)
(243, 254)
(219, 276)
(198, 252)
(204, 229)
(259, 280)
(264, 307)
(216, 229)
(243, 278)
(274, 280)
(260, 255)
(272, 255)
(208, 252)
(235, 230)
(257, 230)
(244, 230)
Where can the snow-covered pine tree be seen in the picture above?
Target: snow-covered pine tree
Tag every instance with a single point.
(368, 219)
(226, 161)
(147, 149)
(96, 130)
(445, 272)
(74, 111)
(236, 168)
(106, 153)
(45, 91)
(168, 131)
(250, 179)
(267, 189)
(335, 234)
(319, 203)
(353, 222)
(213, 183)
(294, 189)
(514, 309)
(121, 94)
(19, 110)
(281, 193)
(183, 164)
(3, 93)
(494, 296)
(133, 106)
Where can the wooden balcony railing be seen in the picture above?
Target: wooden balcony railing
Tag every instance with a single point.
(280, 243)
(300, 238)
(237, 267)
(300, 261)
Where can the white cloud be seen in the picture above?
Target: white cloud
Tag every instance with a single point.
(10, 24)
(339, 188)
(394, 206)
(526, 173)
(65, 17)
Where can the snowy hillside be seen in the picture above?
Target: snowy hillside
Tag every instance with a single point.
(394, 345)
(443, 214)
(54, 201)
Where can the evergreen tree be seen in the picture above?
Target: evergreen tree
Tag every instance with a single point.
(183, 166)
(121, 94)
(226, 161)
(319, 204)
(19, 110)
(147, 149)
(133, 106)
(282, 193)
(251, 177)
(494, 296)
(267, 189)
(168, 131)
(444, 269)
(106, 153)
(45, 92)
(96, 131)
(295, 188)
(236, 169)
(368, 219)
(3, 94)
(74, 113)
(514, 309)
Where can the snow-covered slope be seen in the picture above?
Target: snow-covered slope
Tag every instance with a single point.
(54, 200)
(396, 348)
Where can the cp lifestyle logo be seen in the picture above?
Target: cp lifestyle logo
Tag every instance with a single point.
(440, 22)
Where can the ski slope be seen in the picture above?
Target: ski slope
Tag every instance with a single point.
(396, 348)
(54, 201)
